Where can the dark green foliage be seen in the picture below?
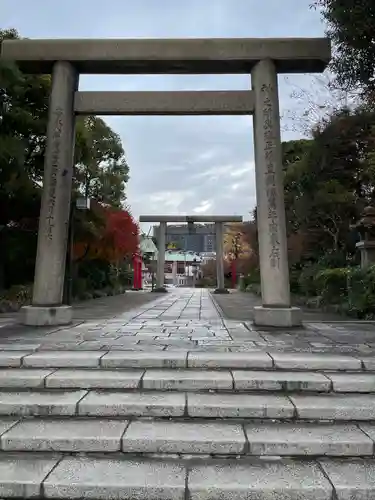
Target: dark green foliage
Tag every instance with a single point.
(332, 285)
(101, 171)
(351, 26)
(328, 181)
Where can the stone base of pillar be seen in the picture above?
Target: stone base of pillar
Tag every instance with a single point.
(160, 289)
(281, 317)
(221, 291)
(46, 316)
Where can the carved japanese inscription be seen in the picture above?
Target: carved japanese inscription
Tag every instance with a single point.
(270, 180)
(57, 118)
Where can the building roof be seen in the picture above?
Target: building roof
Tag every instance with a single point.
(175, 256)
(146, 245)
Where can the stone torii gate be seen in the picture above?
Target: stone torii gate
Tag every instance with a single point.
(219, 221)
(262, 58)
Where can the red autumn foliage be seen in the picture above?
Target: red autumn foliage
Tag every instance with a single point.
(121, 233)
(117, 240)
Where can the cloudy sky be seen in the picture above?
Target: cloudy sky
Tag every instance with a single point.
(178, 165)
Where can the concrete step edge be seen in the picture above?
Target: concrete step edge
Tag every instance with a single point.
(52, 476)
(109, 359)
(174, 404)
(173, 439)
(188, 380)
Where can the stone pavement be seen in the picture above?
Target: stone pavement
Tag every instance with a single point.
(97, 308)
(172, 401)
(239, 305)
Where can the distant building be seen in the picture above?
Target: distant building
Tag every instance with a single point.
(207, 256)
(186, 264)
(202, 240)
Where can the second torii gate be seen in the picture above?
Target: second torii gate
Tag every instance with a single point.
(219, 221)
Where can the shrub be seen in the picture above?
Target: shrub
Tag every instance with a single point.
(15, 297)
(253, 288)
(307, 284)
(332, 285)
(253, 278)
(206, 282)
(361, 292)
(125, 275)
(294, 277)
(85, 296)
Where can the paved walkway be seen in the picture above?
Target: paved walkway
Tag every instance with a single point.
(189, 320)
(98, 308)
(239, 305)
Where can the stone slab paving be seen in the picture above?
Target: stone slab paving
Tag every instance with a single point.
(188, 320)
(183, 388)
(31, 475)
(181, 358)
(132, 404)
(19, 378)
(140, 359)
(239, 406)
(192, 380)
(261, 481)
(352, 479)
(231, 360)
(40, 403)
(21, 475)
(176, 379)
(82, 435)
(109, 403)
(183, 437)
(111, 478)
(308, 439)
(353, 382)
(281, 381)
(93, 379)
(335, 407)
(209, 437)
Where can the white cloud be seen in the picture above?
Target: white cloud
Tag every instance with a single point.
(168, 201)
(203, 207)
(177, 164)
(248, 168)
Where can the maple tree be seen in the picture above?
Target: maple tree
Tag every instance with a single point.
(116, 240)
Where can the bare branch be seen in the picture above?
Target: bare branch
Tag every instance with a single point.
(316, 103)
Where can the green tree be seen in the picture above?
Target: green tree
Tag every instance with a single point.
(101, 170)
(24, 109)
(22, 140)
(351, 26)
(330, 179)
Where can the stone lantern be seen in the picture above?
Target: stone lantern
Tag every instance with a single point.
(194, 270)
(366, 229)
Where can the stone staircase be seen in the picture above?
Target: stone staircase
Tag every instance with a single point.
(176, 425)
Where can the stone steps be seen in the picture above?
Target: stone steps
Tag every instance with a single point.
(172, 404)
(191, 379)
(190, 425)
(212, 360)
(199, 438)
(101, 478)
